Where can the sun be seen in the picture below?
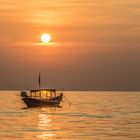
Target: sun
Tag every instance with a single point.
(45, 38)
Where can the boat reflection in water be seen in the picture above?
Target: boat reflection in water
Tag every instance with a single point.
(45, 126)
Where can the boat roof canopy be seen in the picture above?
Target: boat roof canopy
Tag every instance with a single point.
(52, 90)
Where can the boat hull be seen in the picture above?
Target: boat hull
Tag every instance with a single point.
(32, 102)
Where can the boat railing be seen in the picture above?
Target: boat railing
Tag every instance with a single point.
(44, 95)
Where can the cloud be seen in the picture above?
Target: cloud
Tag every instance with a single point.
(137, 11)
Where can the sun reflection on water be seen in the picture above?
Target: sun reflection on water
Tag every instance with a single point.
(45, 125)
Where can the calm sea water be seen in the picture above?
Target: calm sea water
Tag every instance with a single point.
(92, 116)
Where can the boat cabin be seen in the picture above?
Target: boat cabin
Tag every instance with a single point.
(40, 94)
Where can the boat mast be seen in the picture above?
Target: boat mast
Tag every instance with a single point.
(39, 80)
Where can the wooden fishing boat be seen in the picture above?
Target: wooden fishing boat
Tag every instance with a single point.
(41, 97)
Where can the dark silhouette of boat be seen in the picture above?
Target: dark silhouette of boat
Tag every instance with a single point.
(41, 97)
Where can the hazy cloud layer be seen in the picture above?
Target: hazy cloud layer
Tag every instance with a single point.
(95, 44)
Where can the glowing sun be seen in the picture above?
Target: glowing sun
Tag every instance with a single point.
(45, 38)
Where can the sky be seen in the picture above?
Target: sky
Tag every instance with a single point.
(95, 44)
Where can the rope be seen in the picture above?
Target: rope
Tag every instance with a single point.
(67, 100)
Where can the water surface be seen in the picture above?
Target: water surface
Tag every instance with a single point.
(91, 116)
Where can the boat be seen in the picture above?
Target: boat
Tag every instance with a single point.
(41, 97)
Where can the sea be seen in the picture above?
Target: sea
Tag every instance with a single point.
(83, 115)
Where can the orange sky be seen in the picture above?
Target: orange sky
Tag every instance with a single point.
(90, 40)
